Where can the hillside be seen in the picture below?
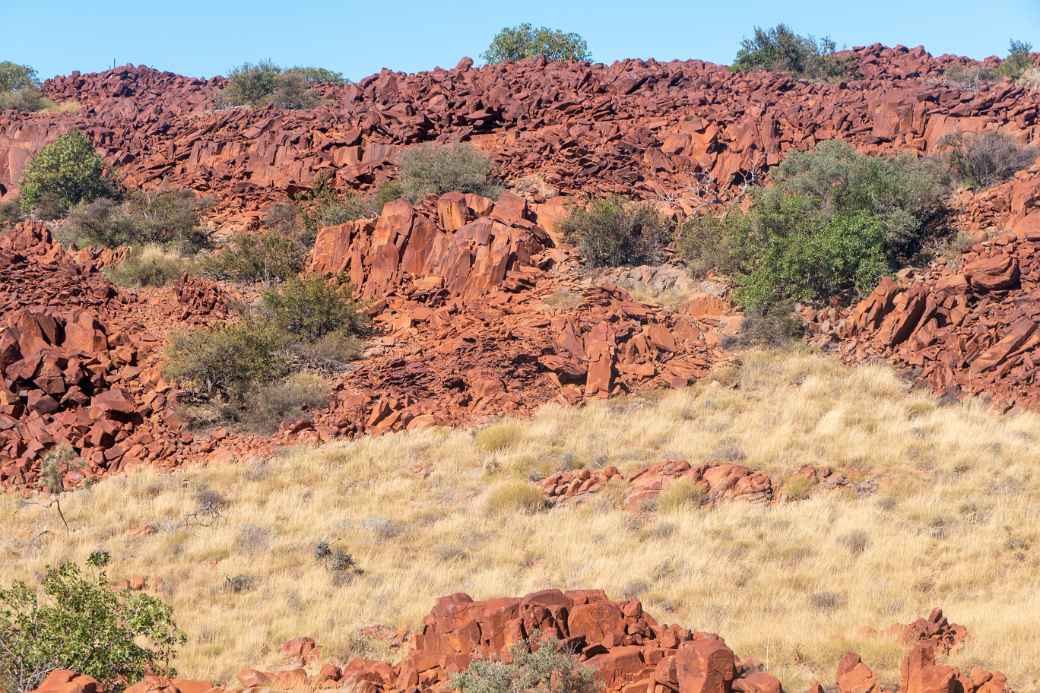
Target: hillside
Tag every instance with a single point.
(423, 402)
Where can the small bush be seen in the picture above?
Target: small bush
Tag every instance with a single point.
(525, 41)
(498, 436)
(682, 495)
(797, 488)
(14, 76)
(151, 265)
(986, 158)
(611, 232)
(81, 622)
(266, 84)
(329, 354)
(316, 75)
(710, 243)
(313, 307)
(265, 256)
(229, 361)
(281, 400)
(781, 50)
(434, 170)
(64, 173)
(1018, 60)
(170, 218)
(512, 497)
(533, 667)
(769, 326)
(970, 76)
(387, 192)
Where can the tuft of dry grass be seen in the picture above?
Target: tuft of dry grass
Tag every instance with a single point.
(953, 522)
(514, 496)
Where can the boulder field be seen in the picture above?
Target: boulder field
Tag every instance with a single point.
(629, 651)
(686, 132)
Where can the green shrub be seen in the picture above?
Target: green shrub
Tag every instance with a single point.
(170, 217)
(434, 170)
(264, 256)
(150, 265)
(971, 76)
(611, 232)
(525, 41)
(549, 668)
(831, 225)
(387, 192)
(81, 622)
(266, 84)
(317, 75)
(986, 158)
(64, 173)
(228, 361)
(1018, 60)
(282, 400)
(313, 307)
(20, 88)
(781, 50)
(770, 326)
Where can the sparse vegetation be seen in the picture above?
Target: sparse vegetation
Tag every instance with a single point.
(612, 231)
(264, 256)
(430, 169)
(526, 41)
(150, 265)
(682, 495)
(545, 667)
(986, 158)
(1018, 60)
(512, 497)
(64, 173)
(266, 84)
(833, 222)
(781, 50)
(170, 218)
(781, 410)
(81, 622)
(10, 213)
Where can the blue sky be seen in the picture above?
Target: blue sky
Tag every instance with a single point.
(203, 38)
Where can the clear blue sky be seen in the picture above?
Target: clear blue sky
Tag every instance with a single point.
(206, 37)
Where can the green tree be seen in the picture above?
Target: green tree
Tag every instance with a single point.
(14, 76)
(265, 83)
(64, 173)
(80, 622)
(1018, 60)
(526, 41)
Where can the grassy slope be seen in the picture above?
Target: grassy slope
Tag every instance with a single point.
(953, 523)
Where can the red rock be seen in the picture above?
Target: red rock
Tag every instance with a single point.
(705, 666)
(65, 681)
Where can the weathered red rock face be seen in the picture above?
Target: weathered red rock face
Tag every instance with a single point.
(678, 130)
(462, 289)
(969, 330)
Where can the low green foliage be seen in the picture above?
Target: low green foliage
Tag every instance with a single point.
(171, 218)
(228, 361)
(526, 41)
(64, 173)
(430, 169)
(251, 257)
(549, 668)
(272, 403)
(10, 212)
(150, 265)
(1018, 60)
(611, 232)
(833, 222)
(312, 307)
(781, 50)
(266, 84)
(984, 159)
(79, 621)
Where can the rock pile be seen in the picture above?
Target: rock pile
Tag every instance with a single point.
(465, 299)
(680, 131)
(970, 329)
(629, 651)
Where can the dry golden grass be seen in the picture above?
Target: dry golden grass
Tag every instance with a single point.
(953, 522)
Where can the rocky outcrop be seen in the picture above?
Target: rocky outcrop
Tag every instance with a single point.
(680, 131)
(970, 328)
